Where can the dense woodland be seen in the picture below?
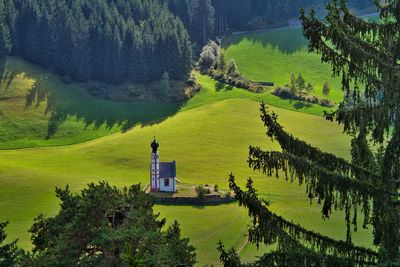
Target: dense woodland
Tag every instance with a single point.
(205, 19)
(118, 41)
(243, 15)
(112, 41)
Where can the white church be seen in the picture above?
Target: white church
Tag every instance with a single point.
(162, 174)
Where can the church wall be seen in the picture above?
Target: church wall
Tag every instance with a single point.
(169, 188)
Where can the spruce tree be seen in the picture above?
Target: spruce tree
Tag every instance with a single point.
(203, 20)
(111, 41)
(8, 252)
(366, 55)
(106, 226)
(326, 89)
(5, 42)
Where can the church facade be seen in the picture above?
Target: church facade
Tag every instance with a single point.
(162, 174)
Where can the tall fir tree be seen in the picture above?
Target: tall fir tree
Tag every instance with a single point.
(5, 41)
(92, 39)
(366, 55)
(203, 20)
(101, 226)
(9, 253)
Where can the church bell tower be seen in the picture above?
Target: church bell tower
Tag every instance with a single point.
(155, 167)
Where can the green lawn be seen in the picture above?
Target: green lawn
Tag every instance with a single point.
(208, 137)
(273, 56)
(214, 91)
(208, 143)
(31, 98)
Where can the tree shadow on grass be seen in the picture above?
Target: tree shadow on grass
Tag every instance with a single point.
(300, 104)
(200, 206)
(64, 101)
(219, 87)
(288, 40)
(297, 104)
(96, 112)
(7, 76)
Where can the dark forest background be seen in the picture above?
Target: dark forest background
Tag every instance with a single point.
(118, 41)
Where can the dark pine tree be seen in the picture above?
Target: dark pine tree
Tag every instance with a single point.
(9, 253)
(106, 226)
(203, 20)
(5, 41)
(99, 39)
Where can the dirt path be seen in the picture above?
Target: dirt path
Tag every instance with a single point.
(243, 245)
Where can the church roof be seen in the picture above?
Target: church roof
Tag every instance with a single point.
(168, 169)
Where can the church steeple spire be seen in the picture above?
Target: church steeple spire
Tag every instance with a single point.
(154, 145)
(155, 167)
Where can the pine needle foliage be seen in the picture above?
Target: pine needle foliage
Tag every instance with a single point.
(366, 55)
(8, 252)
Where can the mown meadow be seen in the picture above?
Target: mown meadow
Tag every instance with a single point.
(208, 136)
(39, 108)
(274, 55)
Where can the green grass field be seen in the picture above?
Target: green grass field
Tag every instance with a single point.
(31, 98)
(193, 138)
(273, 56)
(208, 137)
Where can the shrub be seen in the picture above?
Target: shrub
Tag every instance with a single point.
(284, 92)
(326, 89)
(221, 65)
(301, 83)
(207, 59)
(201, 191)
(231, 69)
(326, 103)
(208, 56)
(191, 81)
(287, 93)
(309, 87)
(293, 87)
(190, 91)
(192, 87)
(215, 47)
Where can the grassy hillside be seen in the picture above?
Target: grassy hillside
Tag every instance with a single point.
(35, 104)
(273, 56)
(208, 136)
(37, 109)
(208, 143)
(214, 91)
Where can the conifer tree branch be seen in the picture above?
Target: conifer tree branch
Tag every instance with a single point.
(300, 148)
(307, 172)
(269, 227)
